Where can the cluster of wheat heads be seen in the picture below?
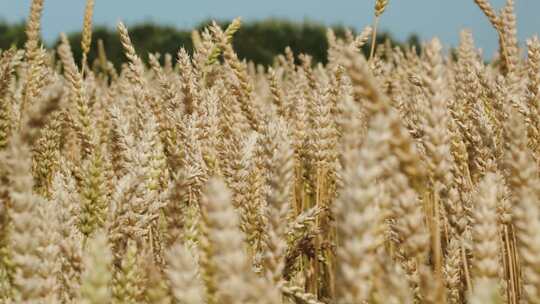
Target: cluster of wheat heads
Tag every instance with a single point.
(408, 178)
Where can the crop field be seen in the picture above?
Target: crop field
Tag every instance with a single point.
(405, 176)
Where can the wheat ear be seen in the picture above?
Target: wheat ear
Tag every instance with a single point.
(380, 7)
(86, 41)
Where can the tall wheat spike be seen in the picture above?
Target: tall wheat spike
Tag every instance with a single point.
(380, 7)
(86, 40)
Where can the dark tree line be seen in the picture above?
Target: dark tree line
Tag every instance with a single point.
(258, 41)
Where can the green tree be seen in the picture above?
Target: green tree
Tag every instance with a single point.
(12, 35)
(257, 41)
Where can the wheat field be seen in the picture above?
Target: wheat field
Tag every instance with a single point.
(403, 177)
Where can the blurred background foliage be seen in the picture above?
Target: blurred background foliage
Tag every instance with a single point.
(257, 41)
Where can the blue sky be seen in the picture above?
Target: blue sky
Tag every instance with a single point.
(428, 18)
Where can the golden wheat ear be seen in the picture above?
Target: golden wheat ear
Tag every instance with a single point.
(184, 276)
(9, 61)
(33, 28)
(380, 7)
(229, 34)
(86, 40)
(485, 230)
(97, 271)
(35, 57)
